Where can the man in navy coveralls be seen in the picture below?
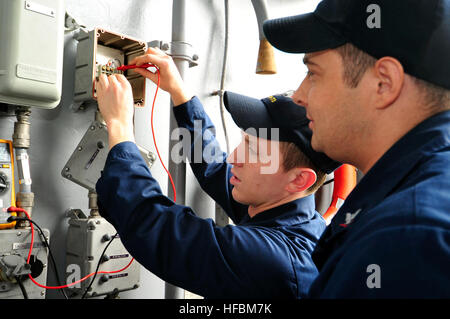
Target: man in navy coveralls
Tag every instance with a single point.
(378, 97)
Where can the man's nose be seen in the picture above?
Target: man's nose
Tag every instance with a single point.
(232, 158)
(299, 96)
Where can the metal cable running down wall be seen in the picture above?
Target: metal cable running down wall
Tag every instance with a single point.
(221, 217)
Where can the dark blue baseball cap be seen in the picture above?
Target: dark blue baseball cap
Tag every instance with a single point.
(415, 32)
(279, 112)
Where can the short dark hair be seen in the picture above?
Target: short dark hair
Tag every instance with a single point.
(293, 157)
(356, 62)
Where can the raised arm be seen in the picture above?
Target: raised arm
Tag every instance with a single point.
(207, 160)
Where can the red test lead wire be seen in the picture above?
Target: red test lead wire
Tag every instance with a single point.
(154, 140)
(133, 66)
(145, 66)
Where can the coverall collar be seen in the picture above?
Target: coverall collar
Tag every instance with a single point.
(294, 212)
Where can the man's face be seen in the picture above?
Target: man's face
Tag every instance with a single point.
(258, 176)
(336, 111)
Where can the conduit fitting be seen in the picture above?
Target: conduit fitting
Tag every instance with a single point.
(92, 195)
(25, 201)
(99, 117)
(218, 93)
(21, 135)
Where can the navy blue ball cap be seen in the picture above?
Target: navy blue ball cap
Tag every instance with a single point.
(279, 112)
(415, 32)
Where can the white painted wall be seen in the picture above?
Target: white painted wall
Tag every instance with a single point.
(55, 133)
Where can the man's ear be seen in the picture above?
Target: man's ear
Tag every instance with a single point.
(303, 178)
(390, 77)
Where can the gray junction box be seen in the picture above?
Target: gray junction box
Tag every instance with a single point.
(14, 248)
(31, 51)
(86, 240)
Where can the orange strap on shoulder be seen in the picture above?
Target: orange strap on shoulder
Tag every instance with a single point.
(344, 182)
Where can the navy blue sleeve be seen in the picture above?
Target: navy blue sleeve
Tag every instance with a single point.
(183, 249)
(397, 262)
(207, 160)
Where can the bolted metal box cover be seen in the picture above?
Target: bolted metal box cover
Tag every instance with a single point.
(86, 240)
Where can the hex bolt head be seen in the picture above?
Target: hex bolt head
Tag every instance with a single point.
(104, 278)
(100, 144)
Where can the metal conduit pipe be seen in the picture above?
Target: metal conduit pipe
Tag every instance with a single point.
(21, 143)
(266, 59)
(177, 170)
(220, 217)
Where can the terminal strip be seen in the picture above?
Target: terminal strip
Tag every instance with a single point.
(106, 69)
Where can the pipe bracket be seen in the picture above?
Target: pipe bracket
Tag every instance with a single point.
(177, 50)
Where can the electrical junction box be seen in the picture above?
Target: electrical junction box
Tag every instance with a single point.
(31, 52)
(86, 240)
(14, 248)
(100, 51)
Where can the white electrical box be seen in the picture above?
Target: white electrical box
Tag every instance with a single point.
(31, 52)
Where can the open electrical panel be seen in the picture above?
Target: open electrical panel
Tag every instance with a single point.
(100, 51)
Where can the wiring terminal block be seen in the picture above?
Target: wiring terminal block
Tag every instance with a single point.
(106, 69)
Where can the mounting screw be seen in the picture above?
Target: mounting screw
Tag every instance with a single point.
(100, 144)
